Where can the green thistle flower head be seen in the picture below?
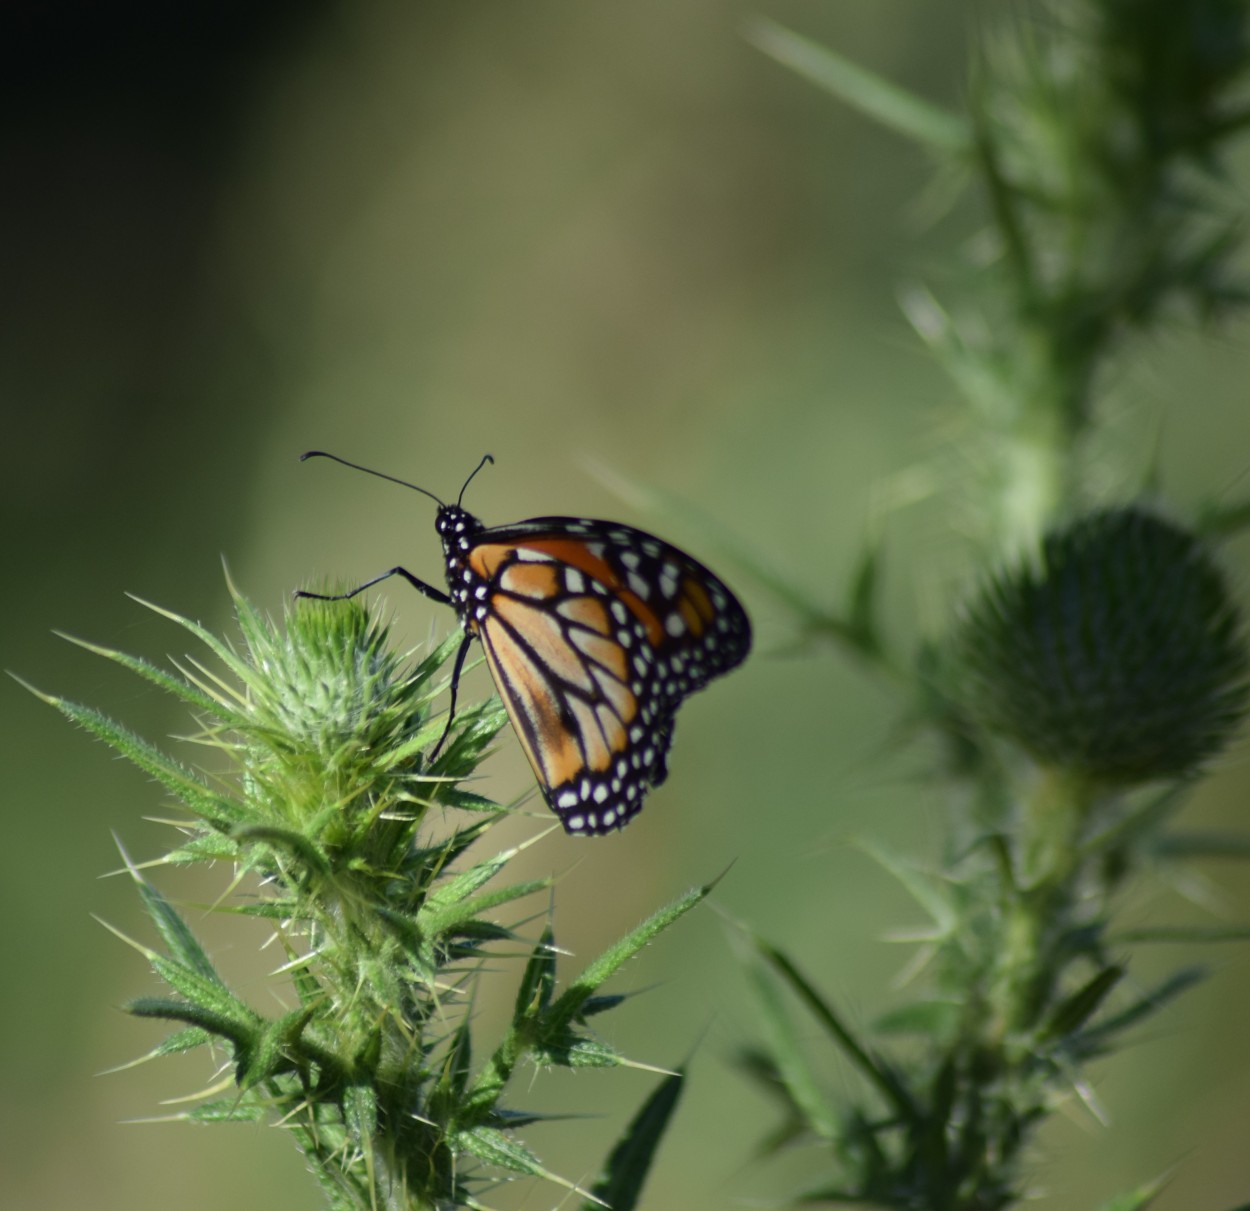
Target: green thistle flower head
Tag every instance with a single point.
(1119, 656)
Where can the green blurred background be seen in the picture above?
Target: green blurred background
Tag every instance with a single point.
(605, 242)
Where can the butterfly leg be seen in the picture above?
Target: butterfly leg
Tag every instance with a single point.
(663, 741)
(427, 590)
(456, 668)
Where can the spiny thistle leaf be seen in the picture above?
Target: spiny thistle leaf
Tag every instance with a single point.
(877, 97)
(1145, 1006)
(792, 1067)
(570, 1003)
(188, 786)
(538, 983)
(227, 1111)
(620, 1186)
(1139, 1199)
(174, 931)
(1074, 1012)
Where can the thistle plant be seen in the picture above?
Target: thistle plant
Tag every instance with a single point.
(361, 852)
(1098, 663)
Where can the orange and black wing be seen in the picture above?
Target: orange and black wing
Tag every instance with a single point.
(595, 633)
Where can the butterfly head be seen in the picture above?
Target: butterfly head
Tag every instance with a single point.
(457, 527)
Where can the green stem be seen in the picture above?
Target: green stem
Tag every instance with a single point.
(1036, 905)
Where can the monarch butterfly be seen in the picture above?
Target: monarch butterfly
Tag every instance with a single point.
(594, 633)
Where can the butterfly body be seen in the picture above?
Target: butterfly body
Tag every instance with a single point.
(594, 633)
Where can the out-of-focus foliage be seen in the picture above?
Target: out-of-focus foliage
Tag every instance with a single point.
(572, 236)
(1090, 682)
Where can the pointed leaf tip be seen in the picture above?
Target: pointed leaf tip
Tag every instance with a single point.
(626, 1169)
(874, 96)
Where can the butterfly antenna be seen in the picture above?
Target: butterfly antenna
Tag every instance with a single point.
(486, 458)
(380, 474)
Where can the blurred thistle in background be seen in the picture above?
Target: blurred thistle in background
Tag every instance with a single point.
(571, 236)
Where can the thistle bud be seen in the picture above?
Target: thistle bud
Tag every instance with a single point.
(1118, 656)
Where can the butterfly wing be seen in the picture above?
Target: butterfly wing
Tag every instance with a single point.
(595, 633)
